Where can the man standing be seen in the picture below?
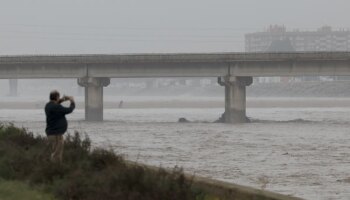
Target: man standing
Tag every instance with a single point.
(56, 123)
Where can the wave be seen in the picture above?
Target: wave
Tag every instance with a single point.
(298, 120)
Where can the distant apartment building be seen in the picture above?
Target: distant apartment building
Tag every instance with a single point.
(323, 39)
(278, 39)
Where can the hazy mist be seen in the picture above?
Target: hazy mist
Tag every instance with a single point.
(297, 143)
(114, 26)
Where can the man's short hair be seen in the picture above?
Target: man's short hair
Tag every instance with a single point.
(54, 95)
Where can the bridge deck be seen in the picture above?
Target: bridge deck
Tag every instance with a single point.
(176, 65)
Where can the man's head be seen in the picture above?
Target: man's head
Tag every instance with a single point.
(54, 95)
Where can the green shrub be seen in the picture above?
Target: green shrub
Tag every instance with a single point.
(86, 173)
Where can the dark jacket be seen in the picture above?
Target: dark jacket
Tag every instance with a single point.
(56, 122)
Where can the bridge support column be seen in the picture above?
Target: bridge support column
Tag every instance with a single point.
(93, 97)
(13, 87)
(235, 98)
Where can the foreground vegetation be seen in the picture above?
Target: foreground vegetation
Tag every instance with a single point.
(85, 174)
(16, 190)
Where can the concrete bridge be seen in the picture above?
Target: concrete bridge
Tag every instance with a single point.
(234, 71)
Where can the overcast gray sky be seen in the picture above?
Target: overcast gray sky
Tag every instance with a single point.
(148, 26)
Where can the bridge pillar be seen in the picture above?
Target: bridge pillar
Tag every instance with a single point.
(235, 98)
(93, 97)
(13, 87)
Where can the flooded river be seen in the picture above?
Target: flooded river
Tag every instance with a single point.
(303, 152)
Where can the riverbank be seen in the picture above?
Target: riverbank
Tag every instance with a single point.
(91, 174)
(86, 173)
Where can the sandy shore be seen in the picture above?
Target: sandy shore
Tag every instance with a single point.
(196, 103)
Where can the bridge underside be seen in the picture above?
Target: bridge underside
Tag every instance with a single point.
(235, 98)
